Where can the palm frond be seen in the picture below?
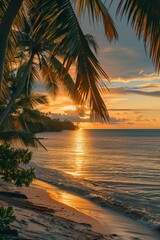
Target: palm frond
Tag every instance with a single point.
(4, 88)
(32, 116)
(92, 42)
(27, 118)
(145, 20)
(48, 76)
(26, 138)
(8, 124)
(32, 100)
(71, 39)
(24, 75)
(63, 77)
(3, 6)
(31, 80)
(97, 10)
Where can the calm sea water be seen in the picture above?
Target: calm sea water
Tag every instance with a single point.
(115, 168)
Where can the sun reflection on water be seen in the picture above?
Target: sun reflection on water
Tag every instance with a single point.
(80, 151)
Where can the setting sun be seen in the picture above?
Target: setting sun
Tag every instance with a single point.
(70, 108)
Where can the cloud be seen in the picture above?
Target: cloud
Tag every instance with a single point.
(126, 90)
(116, 51)
(71, 115)
(130, 120)
(114, 120)
(67, 116)
(133, 77)
(127, 110)
(141, 118)
(148, 85)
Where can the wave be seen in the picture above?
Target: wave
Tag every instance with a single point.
(104, 194)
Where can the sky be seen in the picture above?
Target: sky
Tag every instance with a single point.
(134, 97)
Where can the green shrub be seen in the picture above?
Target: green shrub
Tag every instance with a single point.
(12, 162)
(6, 217)
(13, 170)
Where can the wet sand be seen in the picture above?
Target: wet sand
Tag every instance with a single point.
(116, 223)
(40, 217)
(51, 213)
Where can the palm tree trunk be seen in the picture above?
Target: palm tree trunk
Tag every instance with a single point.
(18, 91)
(5, 27)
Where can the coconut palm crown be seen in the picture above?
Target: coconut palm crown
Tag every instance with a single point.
(56, 45)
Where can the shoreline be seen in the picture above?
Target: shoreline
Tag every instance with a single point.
(42, 197)
(117, 223)
(45, 215)
(41, 217)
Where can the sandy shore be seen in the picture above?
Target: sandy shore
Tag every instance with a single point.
(119, 225)
(41, 217)
(40, 214)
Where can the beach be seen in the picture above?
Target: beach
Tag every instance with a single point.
(119, 169)
(40, 216)
(87, 188)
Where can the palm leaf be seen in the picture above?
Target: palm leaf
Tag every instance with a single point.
(31, 80)
(71, 40)
(145, 20)
(96, 10)
(61, 75)
(24, 76)
(32, 116)
(92, 42)
(26, 138)
(48, 75)
(27, 117)
(8, 124)
(32, 100)
(3, 6)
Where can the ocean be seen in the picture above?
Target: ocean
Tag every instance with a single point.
(117, 169)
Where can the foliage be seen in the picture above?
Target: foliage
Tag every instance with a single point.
(12, 163)
(6, 217)
(145, 20)
(63, 44)
(12, 170)
(49, 54)
(15, 127)
(2, 238)
(70, 39)
(50, 125)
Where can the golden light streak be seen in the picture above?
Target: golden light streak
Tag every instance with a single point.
(80, 151)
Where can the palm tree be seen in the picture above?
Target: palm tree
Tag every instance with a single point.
(17, 106)
(10, 9)
(21, 114)
(87, 86)
(135, 9)
(63, 30)
(35, 46)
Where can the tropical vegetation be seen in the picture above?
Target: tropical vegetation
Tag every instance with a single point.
(53, 26)
(41, 40)
(6, 218)
(12, 166)
(50, 124)
(63, 39)
(13, 170)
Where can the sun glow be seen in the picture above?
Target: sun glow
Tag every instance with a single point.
(79, 149)
(70, 108)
